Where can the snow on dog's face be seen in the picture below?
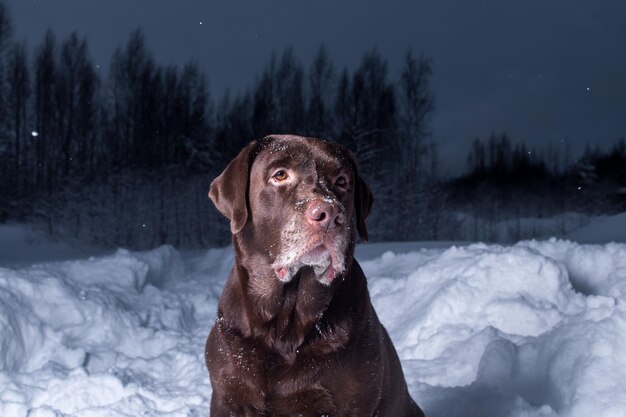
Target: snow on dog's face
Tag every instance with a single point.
(302, 196)
(304, 245)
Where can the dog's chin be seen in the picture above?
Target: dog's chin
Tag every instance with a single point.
(326, 264)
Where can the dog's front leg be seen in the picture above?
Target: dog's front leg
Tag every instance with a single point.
(221, 409)
(218, 408)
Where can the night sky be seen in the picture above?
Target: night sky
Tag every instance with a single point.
(546, 72)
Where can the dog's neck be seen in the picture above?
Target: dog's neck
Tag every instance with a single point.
(288, 315)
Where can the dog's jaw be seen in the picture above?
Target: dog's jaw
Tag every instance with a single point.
(323, 252)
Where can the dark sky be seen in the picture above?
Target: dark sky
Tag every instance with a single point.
(548, 72)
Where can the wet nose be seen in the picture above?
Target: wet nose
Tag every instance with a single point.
(324, 215)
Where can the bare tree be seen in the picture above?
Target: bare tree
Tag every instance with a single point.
(5, 183)
(288, 89)
(264, 114)
(419, 152)
(279, 97)
(321, 83)
(366, 115)
(6, 30)
(129, 76)
(75, 96)
(45, 69)
(19, 92)
(416, 103)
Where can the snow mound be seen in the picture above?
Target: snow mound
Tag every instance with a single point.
(488, 330)
(475, 293)
(112, 336)
(533, 329)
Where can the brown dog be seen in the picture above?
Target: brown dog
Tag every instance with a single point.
(296, 333)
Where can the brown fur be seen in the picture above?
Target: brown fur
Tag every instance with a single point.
(302, 346)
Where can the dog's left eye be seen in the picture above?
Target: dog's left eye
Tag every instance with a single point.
(341, 182)
(280, 175)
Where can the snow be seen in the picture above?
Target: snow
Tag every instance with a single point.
(516, 229)
(537, 328)
(602, 229)
(23, 245)
(494, 330)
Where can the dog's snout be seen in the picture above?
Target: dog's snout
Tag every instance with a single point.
(324, 215)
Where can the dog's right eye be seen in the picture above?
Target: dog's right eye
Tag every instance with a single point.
(280, 176)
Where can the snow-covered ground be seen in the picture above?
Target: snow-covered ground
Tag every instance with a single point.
(533, 329)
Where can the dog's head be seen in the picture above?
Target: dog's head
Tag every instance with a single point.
(290, 201)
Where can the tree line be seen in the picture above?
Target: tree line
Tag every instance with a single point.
(127, 160)
(507, 183)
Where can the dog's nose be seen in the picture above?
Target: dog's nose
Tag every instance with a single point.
(324, 215)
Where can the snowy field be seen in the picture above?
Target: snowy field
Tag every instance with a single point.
(533, 329)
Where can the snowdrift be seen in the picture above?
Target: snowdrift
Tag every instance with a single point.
(534, 329)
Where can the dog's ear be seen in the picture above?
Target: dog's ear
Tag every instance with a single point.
(363, 200)
(229, 191)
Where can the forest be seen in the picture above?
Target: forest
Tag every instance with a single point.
(126, 159)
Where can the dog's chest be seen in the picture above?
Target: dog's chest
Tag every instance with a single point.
(272, 386)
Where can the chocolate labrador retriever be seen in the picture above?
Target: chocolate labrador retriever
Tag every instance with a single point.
(296, 333)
